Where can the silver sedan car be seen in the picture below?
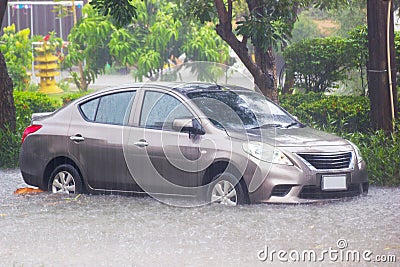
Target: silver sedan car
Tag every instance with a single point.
(217, 143)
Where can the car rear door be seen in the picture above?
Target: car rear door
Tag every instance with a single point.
(96, 140)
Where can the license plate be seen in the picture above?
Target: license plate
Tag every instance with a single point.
(333, 182)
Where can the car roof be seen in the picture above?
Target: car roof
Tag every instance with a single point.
(186, 88)
(182, 87)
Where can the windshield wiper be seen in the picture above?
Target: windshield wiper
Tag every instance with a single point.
(291, 124)
(268, 125)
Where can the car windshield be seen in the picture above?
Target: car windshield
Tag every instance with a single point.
(241, 109)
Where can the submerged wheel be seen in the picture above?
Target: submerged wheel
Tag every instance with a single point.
(226, 190)
(65, 179)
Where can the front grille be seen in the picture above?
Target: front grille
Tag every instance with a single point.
(281, 190)
(315, 192)
(328, 161)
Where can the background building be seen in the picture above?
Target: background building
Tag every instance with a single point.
(42, 17)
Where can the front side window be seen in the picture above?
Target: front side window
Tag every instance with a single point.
(159, 111)
(108, 109)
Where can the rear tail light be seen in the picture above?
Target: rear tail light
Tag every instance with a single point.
(30, 129)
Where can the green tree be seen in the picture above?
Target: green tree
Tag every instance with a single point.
(358, 40)
(157, 31)
(16, 48)
(305, 28)
(350, 16)
(264, 24)
(122, 11)
(147, 43)
(203, 44)
(89, 43)
(162, 36)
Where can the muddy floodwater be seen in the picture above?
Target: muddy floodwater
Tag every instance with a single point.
(107, 230)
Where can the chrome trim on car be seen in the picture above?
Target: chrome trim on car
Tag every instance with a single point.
(324, 161)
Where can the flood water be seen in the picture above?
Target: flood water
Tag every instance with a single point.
(106, 230)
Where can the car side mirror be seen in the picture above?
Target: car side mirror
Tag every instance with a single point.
(191, 126)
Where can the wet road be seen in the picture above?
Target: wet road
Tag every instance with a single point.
(53, 230)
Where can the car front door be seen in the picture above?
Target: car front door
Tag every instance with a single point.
(161, 159)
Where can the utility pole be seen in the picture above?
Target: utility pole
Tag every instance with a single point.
(74, 11)
(381, 76)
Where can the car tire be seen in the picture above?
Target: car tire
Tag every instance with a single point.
(65, 179)
(226, 189)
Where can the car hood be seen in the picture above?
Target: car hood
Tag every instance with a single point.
(292, 137)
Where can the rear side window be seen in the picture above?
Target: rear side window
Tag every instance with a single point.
(89, 109)
(112, 108)
(108, 109)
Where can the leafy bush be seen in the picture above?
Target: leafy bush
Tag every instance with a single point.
(9, 146)
(37, 102)
(347, 116)
(26, 103)
(345, 113)
(23, 114)
(316, 64)
(382, 155)
(291, 102)
(66, 99)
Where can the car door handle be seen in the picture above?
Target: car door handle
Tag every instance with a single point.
(141, 143)
(77, 138)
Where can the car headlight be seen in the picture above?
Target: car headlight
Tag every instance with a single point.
(266, 153)
(357, 150)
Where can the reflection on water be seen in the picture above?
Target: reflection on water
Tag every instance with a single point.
(52, 230)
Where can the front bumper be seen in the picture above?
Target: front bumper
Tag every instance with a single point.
(300, 184)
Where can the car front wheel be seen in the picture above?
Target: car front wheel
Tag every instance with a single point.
(226, 190)
(65, 179)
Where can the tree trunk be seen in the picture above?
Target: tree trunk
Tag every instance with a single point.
(82, 78)
(289, 83)
(264, 69)
(265, 61)
(3, 8)
(7, 108)
(378, 81)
